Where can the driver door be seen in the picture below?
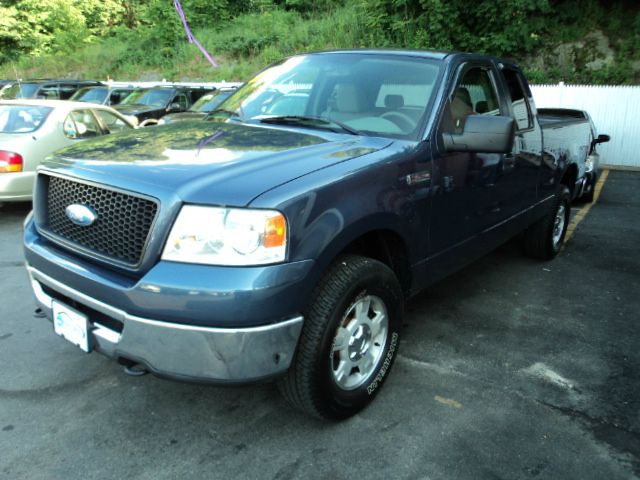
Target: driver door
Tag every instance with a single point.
(465, 202)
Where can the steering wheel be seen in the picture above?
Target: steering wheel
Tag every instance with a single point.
(402, 120)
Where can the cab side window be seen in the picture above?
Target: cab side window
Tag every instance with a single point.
(181, 99)
(117, 96)
(474, 94)
(49, 92)
(519, 103)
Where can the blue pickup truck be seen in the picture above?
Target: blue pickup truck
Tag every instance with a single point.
(280, 237)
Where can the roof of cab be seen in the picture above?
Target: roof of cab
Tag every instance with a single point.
(433, 54)
(429, 54)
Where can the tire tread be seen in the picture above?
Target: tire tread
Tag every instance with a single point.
(297, 385)
(538, 237)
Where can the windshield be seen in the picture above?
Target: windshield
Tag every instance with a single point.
(209, 102)
(20, 90)
(152, 97)
(374, 94)
(91, 95)
(22, 118)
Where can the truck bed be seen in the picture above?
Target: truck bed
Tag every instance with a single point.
(551, 117)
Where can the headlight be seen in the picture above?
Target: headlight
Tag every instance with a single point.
(227, 236)
(588, 164)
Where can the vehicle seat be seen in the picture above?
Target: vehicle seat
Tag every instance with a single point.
(346, 103)
(81, 130)
(394, 102)
(461, 108)
(348, 99)
(482, 106)
(90, 126)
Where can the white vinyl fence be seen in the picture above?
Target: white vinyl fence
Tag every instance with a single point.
(615, 110)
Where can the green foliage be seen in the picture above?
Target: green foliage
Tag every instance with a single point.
(130, 38)
(500, 27)
(36, 27)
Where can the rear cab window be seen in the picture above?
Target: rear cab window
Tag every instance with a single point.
(49, 92)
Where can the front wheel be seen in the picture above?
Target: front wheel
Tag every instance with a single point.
(349, 339)
(544, 239)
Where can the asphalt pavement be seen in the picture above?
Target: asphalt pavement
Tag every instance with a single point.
(509, 369)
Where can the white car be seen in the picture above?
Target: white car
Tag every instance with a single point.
(30, 130)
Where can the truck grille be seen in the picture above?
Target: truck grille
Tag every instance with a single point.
(123, 221)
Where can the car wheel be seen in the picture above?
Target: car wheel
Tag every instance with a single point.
(588, 197)
(543, 240)
(349, 339)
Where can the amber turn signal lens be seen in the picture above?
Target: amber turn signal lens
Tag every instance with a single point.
(275, 232)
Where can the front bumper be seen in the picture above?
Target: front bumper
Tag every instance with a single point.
(180, 351)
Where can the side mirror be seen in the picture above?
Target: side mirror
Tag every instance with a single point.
(602, 139)
(482, 134)
(174, 107)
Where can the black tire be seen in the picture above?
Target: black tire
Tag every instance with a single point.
(541, 240)
(588, 197)
(592, 180)
(311, 384)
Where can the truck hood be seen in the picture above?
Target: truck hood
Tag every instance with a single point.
(208, 162)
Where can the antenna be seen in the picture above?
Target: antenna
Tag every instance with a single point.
(15, 71)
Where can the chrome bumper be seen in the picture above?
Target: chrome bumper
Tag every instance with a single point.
(186, 352)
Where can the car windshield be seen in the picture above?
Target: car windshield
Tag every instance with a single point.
(22, 118)
(91, 95)
(154, 97)
(209, 102)
(372, 94)
(21, 90)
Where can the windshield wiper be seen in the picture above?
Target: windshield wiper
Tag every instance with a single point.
(308, 121)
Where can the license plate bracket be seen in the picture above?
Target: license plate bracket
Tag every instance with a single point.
(72, 325)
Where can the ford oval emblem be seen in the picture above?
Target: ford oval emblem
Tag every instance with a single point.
(81, 215)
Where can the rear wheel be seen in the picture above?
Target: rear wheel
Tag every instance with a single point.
(349, 340)
(588, 197)
(543, 240)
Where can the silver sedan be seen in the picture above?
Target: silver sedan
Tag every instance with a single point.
(30, 130)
